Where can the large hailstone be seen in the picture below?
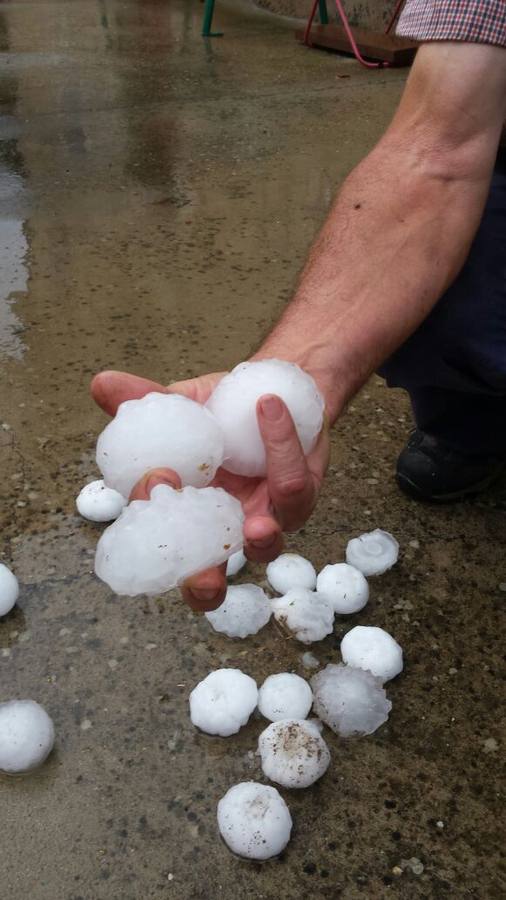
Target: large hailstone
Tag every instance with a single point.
(254, 820)
(157, 543)
(245, 610)
(344, 586)
(26, 736)
(350, 701)
(373, 553)
(99, 503)
(223, 701)
(305, 613)
(160, 430)
(373, 649)
(233, 403)
(9, 589)
(293, 753)
(285, 696)
(235, 563)
(289, 571)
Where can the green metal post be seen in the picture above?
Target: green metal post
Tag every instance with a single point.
(208, 20)
(322, 10)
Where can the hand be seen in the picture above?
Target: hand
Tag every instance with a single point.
(281, 501)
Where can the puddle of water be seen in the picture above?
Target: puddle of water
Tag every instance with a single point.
(13, 253)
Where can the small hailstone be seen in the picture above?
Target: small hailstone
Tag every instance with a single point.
(245, 610)
(350, 701)
(309, 660)
(26, 736)
(373, 553)
(285, 696)
(223, 701)
(293, 753)
(99, 503)
(9, 589)
(160, 430)
(289, 571)
(307, 614)
(254, 820)
(345, 587)
(235, 563)
(233, 403)
(155, 544)
(373, 649)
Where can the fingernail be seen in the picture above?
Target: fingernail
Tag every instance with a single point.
(272, 408)
(204, 595)
(263, 542)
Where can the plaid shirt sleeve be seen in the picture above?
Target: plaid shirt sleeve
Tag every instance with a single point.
(477, 21)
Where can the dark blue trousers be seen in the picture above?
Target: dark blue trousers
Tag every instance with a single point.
(454, 365)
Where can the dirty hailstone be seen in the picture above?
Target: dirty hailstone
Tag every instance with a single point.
(99, 503)
(350, 701)
(308, 615)
(293, 753)
(245, 610)
(223, 702)
(285, 696)
(9, 589)
(155, 544)
(344, 586)
(26, 736)
(233, 403)
(289, 571)
(160, 430)
(235, 563)
(373, 649)
(254, 820)
(373, 553)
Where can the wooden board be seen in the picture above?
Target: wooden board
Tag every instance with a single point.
(372, 44)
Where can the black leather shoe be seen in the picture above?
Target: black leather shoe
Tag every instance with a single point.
(427, 469)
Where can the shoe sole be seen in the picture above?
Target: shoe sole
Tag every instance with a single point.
(412, 490)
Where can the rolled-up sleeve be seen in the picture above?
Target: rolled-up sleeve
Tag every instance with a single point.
(475, 21)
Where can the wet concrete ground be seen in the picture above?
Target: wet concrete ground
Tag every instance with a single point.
(157, 196)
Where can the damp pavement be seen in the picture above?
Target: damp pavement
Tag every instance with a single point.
(158, 194)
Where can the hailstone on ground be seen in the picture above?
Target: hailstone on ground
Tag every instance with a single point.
(373, 553)
(235, 563)
(293, 753)
(344, 586)
(160, 430)
(99, 503)
(305, 613)
(254, 820)
(285, 696)
(155, 544)
(373, 649)
(291, 570)
(350, 701)
(26, 736)
(233, 403)
(9, 589)
(245, 610)
(223, 701)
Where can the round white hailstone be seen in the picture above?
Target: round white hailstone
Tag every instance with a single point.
(235, 563)
(373, 649)
(223, 701)
(305, 613)
(373, 553)
(234, 400)
(309, 660)
(285, 696)
(99, 503)
(350, 701)
(293, 753)
(289, 571)
(155, 544)
(245, 610)
(160, 430)
(9, 589)
(26, 736)
(345, 587)
(254, 820)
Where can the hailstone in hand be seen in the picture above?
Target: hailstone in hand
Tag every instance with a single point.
(254, 820)
(233, 403)
(99, 503)
(223, 701)
(285, 696)
(155, 544)
(345, 587)
(235, 563)
(160, 430)
(373, 553)
(293, 753)
(290, 570)
(371, 648)
(350, 701)
(9, 589)
(307, 614)
(26, 736)
(245, 610)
